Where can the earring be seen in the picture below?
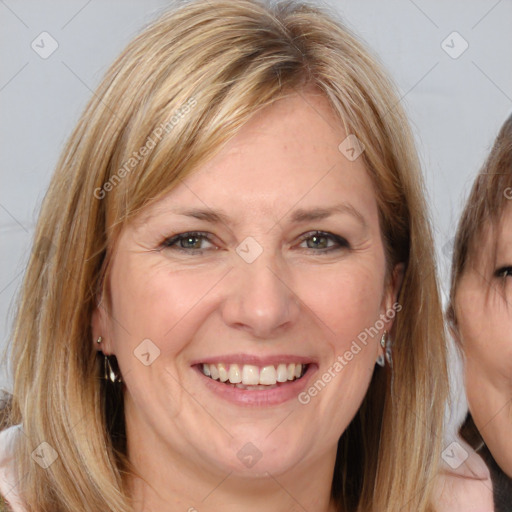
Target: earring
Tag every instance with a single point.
(380, 359)
(383, 340)
(108, 371)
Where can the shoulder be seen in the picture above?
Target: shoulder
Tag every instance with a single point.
(467, 487)
(9, 500)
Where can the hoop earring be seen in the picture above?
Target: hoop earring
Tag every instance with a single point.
(108, 372)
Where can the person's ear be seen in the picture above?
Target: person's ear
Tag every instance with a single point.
(394, 285)
(452, 324)
(390, 304)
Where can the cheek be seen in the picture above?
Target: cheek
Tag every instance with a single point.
(348, 304)
(485, 328)
(156, 302)
(347, 301)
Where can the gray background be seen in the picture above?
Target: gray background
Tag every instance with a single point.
(456, 105)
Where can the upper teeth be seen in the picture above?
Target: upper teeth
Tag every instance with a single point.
(251, 375)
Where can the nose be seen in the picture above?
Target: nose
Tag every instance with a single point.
(260, 299)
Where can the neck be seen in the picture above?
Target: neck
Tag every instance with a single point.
(229, 494)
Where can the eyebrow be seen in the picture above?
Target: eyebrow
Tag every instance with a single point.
(298, 216)
(302, 215)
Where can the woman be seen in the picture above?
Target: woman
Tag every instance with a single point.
(234, 239)
(479, 313)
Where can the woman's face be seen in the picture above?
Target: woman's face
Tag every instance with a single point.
(264, 265)
(484, 312)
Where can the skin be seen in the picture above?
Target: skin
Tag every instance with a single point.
(293, 299)
(484, 314)
(467, 488)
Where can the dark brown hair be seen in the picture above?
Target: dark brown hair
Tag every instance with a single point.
(490, 193)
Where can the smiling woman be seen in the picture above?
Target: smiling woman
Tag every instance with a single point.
(276, 238)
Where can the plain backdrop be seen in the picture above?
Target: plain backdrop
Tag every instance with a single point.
(451, 60)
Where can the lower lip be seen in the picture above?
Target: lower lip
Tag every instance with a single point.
(258, 397)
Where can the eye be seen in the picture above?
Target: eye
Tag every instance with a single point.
(503, 272)
(191, 242)
(322, 241)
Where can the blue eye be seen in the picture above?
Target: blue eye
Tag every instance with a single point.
(192, 242)
(189, 242)
(321, 241)
(504, 272)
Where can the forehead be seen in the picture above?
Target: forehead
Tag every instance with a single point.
(504, 231)
(287, 155)
(493, 241)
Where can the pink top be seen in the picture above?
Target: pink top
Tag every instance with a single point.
(8, 483)
(466, 487)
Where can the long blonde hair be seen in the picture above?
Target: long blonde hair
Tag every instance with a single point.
(199, 73)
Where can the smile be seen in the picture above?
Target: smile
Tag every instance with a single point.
(248, 376)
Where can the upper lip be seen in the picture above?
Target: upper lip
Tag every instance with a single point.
(254, 359)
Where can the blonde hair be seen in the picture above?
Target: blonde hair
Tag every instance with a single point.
(223, 60)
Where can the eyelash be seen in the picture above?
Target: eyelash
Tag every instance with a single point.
(503, 272)
(171, 243)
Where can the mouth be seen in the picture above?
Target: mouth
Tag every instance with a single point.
(252, 377)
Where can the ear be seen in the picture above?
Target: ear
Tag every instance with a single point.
(393, 287)
(390, 306)
(452, 324)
